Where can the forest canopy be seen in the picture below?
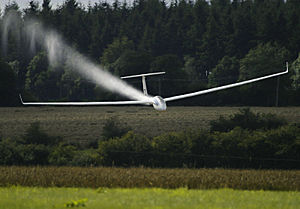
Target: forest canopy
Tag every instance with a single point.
(199, 44)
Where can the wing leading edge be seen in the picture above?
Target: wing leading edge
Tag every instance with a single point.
(197, 93)
(84, 103)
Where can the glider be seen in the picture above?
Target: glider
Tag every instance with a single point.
(158, 102)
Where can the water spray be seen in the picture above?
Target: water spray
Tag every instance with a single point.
(58, 52)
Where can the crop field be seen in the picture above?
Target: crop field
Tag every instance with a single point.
(85, 123)
(95, 177)
(64, 187)
(34, 197)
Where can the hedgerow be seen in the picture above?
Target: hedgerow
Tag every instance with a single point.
(266, 142)
(245, 140)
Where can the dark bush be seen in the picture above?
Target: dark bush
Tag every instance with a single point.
(129, 150)
(34, 154)
(62, 155)
(239, 147)
(9, 154)
(283, 143)
(35, 135)
(86, 158)
(246, 119)
(8, 85)
(172, 149)
(113, 129)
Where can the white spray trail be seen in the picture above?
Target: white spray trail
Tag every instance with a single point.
(59, 51)
(11, 23)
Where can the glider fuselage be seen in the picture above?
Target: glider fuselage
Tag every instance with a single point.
(159, 103)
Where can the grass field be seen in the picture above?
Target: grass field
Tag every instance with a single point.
(85, 123)
(34, 197)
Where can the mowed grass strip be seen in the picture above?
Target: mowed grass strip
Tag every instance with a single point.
(95, 177)
(33, 197)
(81, 124)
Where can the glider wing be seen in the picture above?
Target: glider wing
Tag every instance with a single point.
(206, 91)
(84, 103)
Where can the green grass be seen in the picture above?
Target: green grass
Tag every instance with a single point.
(85, 123)
(34, 197)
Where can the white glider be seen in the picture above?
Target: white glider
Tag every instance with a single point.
(158, 102)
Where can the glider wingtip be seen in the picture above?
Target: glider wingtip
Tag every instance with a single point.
(21, 99)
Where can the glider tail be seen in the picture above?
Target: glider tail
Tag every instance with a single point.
(143, 79)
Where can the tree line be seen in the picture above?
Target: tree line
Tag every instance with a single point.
(199, 44)
(244, 140)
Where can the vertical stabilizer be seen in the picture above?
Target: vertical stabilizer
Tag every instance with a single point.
(144, 86)
(143, 79)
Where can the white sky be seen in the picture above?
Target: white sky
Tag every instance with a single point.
(24, 3)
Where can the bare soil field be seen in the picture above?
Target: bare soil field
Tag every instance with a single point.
(86, 123)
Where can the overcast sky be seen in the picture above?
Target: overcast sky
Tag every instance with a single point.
(24, 3)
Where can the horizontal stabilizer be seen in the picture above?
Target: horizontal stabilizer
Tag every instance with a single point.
(143, 75)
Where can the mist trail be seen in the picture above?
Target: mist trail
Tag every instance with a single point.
(58, 51)
(11, 23)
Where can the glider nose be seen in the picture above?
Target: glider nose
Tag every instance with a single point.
(159, 103)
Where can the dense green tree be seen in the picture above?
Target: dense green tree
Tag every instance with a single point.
(211, 50)
(73, 24)
(265, 18)
(293, 27)
(115, 50)
(152, 15)
(46, 13)
(296, 73)
(128, 150)
(199, 33)
(8, 85)
(132, 63)
(97, 16)
(46, 7)
(244, 29)
(194, 80)
(169, 63)
(263, 60)
(73, 87)
(294, 91)
(62, 155)
(173, 80)
(226, 71)
(32, 11)
(36, 67)
(40, 77)
(195, 33)
(190, 67)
